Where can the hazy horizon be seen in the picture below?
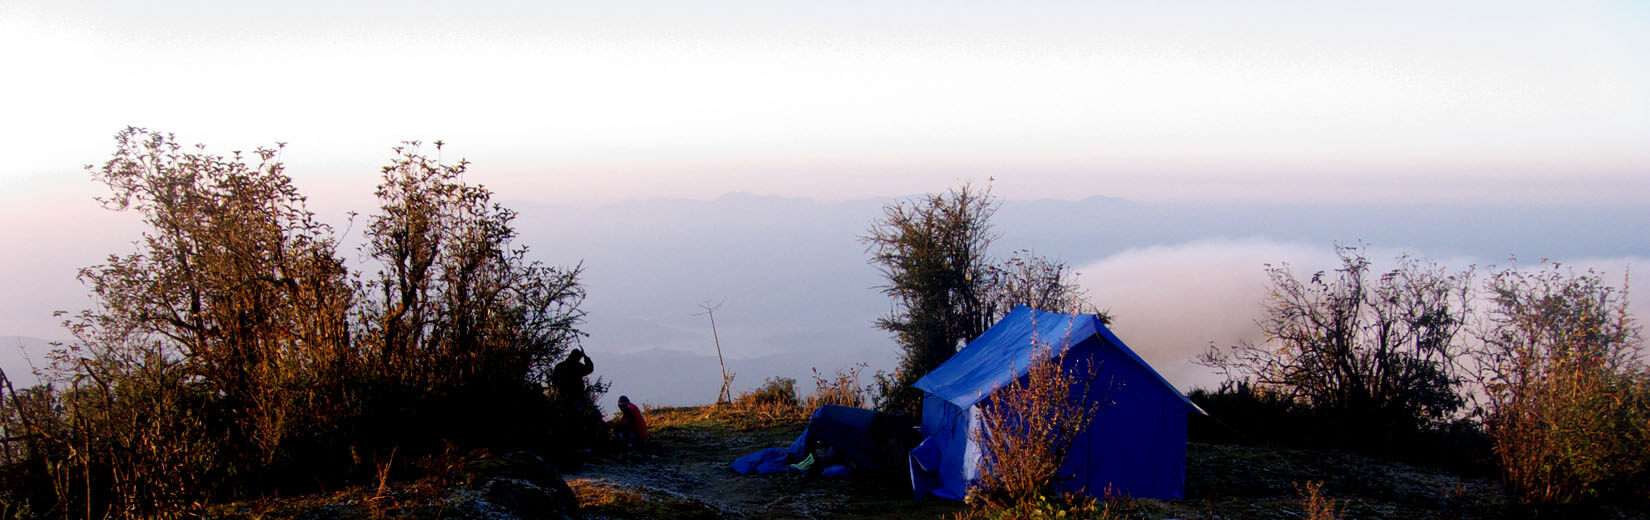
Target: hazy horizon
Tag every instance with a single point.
(734, 151)
(797, 292)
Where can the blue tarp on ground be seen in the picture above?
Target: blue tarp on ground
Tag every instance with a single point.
(762, 462)
(1135, 446)
(846, 429)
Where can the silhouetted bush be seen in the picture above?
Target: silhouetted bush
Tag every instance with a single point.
(776, 391)
(1243, 414)
(1238, 412)
(1374, 354)
(1558, 377)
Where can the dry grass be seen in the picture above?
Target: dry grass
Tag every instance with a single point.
(603, 500)
(774, 404)
(1066, 506)
(1315, 504)
(842, 389)
(732, 417)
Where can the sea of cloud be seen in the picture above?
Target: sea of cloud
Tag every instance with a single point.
(1172, 302)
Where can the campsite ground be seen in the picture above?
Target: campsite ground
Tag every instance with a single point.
(686, 474)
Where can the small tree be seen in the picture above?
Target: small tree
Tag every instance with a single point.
(1566, 394)
(1377, 354)
(946, 290)
(457, 312)
(933, 253)
(208, 349)
(233, 354)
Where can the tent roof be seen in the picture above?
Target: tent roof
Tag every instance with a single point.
(1002, 354)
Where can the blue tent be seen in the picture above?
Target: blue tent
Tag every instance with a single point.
(1135, 446)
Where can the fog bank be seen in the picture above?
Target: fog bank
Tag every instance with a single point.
(1171, 302)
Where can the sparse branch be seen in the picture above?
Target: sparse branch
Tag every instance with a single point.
(1380, 350)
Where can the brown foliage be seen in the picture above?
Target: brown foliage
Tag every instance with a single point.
(1314, 504)
(209, 347)
(777, 402)
(234, 353)
(841, 389)
(1027, 428)
(1566, 394)
(453, 298)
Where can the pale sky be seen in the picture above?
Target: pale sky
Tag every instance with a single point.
(1499, 101)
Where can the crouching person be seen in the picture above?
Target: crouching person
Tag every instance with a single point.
(630, 428)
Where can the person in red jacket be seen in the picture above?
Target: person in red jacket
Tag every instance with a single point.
(630, 428)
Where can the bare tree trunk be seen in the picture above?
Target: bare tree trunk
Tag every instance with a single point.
(726, 394)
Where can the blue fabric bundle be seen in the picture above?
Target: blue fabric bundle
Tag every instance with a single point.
(763, 462)
(844, 428)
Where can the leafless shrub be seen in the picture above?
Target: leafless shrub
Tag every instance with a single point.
(842, 389)
(1378, 353)
(1035, 281)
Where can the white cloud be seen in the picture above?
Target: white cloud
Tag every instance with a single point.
(1170, 302)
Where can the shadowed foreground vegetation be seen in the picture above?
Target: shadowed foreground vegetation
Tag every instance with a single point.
(687, 469)
(685, 474)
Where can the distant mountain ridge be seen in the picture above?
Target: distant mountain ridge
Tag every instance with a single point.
(791, 275)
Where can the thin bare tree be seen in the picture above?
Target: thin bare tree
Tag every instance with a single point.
(726, 394)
